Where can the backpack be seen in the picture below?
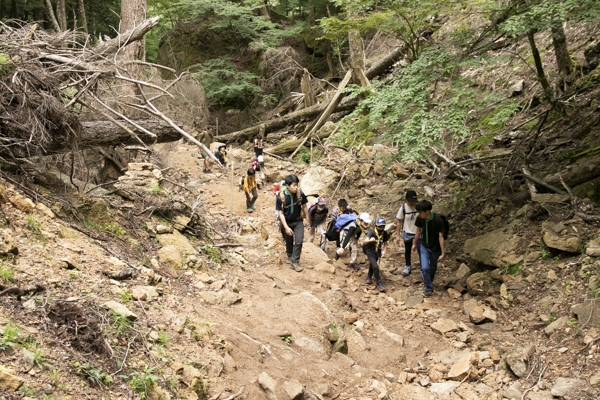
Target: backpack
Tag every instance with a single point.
(405, 214)
(446, 225)
(336, 225)
(331, 233)
(283, 202)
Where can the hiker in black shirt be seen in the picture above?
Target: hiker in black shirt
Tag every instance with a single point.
(291, 204)
(317, 214)
(374, 247)
(430, 234)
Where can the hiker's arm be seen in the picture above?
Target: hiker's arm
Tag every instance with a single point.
(305, 209)
(442, 246)
(348, 237)
(383, 249)
(417, 236)
(286, 228)
(399, 229)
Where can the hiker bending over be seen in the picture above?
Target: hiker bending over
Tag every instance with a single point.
(430, 238)
(406, 228)
(291, 204)
(249, 186)
(259, 166)
(349, 235)
(374, 247)
(317, 214)
(221, 155)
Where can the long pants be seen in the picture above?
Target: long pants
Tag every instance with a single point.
(250, 201)
(408, 243)
(373, 266)
(351, 244)
(293, 244)
(429, 259)
(321, 229)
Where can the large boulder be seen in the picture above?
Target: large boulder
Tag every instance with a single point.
(319, 180)
(558, 236)
(588, 311)
(482, 284)
(177, 240)
(592, 55)
(495, 248)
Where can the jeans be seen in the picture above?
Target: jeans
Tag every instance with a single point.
(429, 259)
(321, 228)
(408, 239)
(351, 244)
(293, 244)
(250, 202)
(373, 266)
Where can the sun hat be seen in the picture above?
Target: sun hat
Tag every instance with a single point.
(260, 159)
(321, 201)
(365, 217)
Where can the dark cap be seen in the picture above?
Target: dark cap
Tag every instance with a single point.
(251, 171)
(411, 195)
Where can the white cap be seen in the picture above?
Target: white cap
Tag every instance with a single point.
(261, 159)
(365, 217)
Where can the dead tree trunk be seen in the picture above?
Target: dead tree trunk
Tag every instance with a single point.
(292, 145)
(382, 65)
(578, 173)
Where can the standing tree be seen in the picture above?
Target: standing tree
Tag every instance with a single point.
(133, 12)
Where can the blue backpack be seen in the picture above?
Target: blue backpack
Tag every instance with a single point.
(344, 220)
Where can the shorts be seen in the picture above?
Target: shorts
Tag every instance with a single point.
(203, 154)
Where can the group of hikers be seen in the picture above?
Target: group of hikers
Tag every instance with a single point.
(417, 226)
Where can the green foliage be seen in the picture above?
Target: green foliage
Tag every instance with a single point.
(125, 296)
(33, 224)
(111, 227)
(287, 338)
(512, 269)
(39, 358)
(163, 338)
(120, 323)
(95, 375)
(143, 382)
(9, 337)
(497, 119)
(26, 390)
(7, 274)
(213, 253)
(224, 84)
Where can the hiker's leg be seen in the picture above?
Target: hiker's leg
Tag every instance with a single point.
(289, 242)
(322, 231)
(373, 267)
(311, 235)
(298, 228)
(343, 234)
(407, 249)
(426, 257)
(353, 250)
(254, 196)
(433, 261)
(248, 202)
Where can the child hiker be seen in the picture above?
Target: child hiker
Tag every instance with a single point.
(259, 166)
(221, 155)
(206, 138)
(406, 228)
(276, 189)
(291, 204)
(250, 190)
(374, 247)
(317, 214)
(258, 145)
(349, 236)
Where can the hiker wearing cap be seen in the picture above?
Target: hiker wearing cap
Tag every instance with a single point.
(317, 214)
(258, 145)
(259, 166)
(221, 155)
(349, 235)
(430, 242)
(406, 228)
(206, 138)
(374, 247)
(291, 204)
(249, 185)
(276, 189)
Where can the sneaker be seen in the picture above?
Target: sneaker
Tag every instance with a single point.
(249, 210)
(380, 287)
(253, 207)
(427, 293)
(368, 281)
(207, 171)
(406, 271)
(296, 267)
(355, 266)
(336, 256)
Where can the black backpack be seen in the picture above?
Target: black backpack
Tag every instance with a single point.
(332, 233)
(446, 225)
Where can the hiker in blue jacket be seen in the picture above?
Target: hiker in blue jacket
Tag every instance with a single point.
(430, 234)
(350, 234)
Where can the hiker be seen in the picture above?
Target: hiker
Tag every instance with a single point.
(249, 185)
(291, 204)
(221, 155)
(406, 229)
(374, 247)
(258, 145)
(259, 166)
(317, 214)
(206, 137)
(430, 242)
(349, 235)
(340, 209)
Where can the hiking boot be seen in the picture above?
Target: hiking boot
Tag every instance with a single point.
(355, 266)
(427, 293)
(406, 271)
(380, 287)
(368, 281)
(336, 256)
(249, 210)
(296, 267)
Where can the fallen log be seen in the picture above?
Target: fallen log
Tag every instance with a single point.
(278, 123)
(288, 147)
(383, 64)
(582, 171)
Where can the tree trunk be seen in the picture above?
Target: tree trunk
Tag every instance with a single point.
(582, 171)
(309, 96)
(382, 65)
(133, 13)
(61, 14)
(540, 67)
(277, 123)
(52, 17)
(357, 57)
(559, 41)
(82, 17)
(288, 147)
(127, 38)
